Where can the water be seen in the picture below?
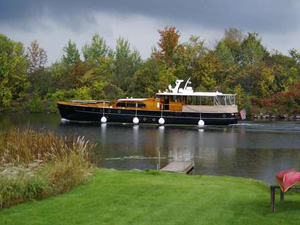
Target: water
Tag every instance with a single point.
(250, 149)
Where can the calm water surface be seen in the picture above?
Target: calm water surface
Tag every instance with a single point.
(250, 149)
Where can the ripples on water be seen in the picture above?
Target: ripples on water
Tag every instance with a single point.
(282, 127)
(249, 149)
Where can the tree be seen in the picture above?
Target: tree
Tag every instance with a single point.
(151, 77)
(69, 77)
(252, 51)
(242, 100)
(13, 67)
(223, 52)
(126, 63)
(169, 45)
(234, 35)
(188, 56)
(94, 52)
(71, 54)
(232, 40)
(295, 54)
(37, 57)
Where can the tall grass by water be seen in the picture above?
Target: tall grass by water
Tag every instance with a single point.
(36, 165)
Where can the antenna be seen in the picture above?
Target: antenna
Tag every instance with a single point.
(186, 84)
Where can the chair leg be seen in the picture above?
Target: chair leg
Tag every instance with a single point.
(281, 196)
(272, 191)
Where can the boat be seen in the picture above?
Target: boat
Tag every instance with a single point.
(175, 105)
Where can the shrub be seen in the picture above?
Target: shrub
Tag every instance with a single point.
(35, 165)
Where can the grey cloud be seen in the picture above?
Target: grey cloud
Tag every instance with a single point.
(254, 15)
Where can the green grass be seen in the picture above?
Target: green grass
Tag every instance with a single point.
(150, 197)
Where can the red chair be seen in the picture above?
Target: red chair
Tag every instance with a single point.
(286, 180)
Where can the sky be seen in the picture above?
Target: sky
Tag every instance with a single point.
(54, 22)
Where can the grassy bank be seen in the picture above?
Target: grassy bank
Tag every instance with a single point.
(135, 197)
(36, 165)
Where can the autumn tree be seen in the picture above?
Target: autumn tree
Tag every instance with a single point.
(37, 57)
(169, 45)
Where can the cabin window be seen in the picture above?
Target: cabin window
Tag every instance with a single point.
(205, 100)
(121, 104)
(194, 100)
(190, 100)
(199, 100)
(131, 104)
(174, 98)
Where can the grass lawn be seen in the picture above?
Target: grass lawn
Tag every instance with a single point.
(150, 197)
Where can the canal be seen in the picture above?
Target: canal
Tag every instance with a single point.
(253, 149)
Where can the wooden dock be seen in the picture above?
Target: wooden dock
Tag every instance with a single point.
(178, 167)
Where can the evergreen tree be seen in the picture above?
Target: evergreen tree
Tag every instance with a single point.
(71, 54)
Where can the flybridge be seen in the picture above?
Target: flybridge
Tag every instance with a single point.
(207, 94)
(187, 91)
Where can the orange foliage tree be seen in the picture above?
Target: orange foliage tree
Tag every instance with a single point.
(169, 45)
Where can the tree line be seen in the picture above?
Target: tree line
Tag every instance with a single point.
(265, 81)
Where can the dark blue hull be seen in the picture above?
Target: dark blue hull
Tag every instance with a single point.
(94, 114)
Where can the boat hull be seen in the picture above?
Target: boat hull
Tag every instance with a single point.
(94, 114)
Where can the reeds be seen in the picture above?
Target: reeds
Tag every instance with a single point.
(35, 165)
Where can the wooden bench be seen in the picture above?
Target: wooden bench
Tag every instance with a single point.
(272, 191)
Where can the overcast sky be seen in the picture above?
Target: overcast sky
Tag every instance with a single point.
(53, 22)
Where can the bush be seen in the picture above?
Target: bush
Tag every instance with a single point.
(36, 165)
(82, 93)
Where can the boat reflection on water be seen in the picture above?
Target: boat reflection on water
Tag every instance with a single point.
(103, 133)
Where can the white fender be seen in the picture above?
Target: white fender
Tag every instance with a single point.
(161, 121)
(201, 123)
(63, 120)
(103, 119)
(135, 120)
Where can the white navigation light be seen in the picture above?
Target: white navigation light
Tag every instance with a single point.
(201, 123)
(135, 120)
(103, 119)
(161, 121)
